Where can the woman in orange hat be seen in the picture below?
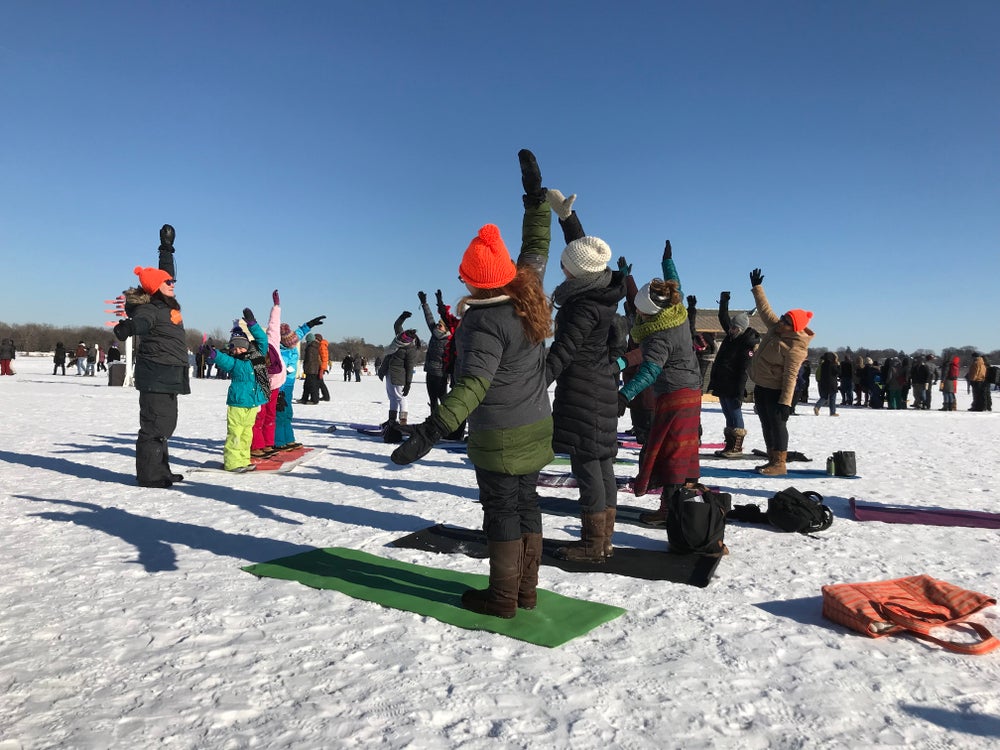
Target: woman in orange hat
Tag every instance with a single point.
(773, 369)
(500, 387)
(161, 362)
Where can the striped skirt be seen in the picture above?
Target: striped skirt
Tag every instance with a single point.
(670, 455)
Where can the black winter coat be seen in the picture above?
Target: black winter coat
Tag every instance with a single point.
(161, 361)
(732, 363)
(826, 375)
(585, 405)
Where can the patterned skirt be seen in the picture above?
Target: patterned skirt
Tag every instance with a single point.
(670, 455)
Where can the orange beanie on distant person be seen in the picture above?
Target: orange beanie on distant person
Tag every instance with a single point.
(150, 279)
(486, 263)
(800, 319)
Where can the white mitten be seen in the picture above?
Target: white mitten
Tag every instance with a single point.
(562, 205)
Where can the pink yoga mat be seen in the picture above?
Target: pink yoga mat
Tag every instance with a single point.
(926, 516)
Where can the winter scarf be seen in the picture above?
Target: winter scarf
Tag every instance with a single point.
(669, 317)
(259, 362)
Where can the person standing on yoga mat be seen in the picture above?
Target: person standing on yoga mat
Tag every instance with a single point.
(774, 369)
(584, 406)
(669, 459)
(500, 387)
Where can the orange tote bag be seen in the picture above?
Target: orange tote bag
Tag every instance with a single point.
(913, 605)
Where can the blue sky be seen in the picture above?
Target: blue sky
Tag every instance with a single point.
(346, 153)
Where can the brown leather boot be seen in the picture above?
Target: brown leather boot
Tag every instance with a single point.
(609, 530)
(777, 467)
(500, 599)
(590, 548)
(770, 462)
(527, 595)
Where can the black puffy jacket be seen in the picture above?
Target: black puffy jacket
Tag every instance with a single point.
(729, 372)
(585, 405)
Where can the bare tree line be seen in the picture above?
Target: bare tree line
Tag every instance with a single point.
(41, 337)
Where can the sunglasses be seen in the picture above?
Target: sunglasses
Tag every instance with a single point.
(170, 282)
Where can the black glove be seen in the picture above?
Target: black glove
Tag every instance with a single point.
(422, 297)
(282, 402)
(756, 277)
(317, 321)
(248, 316)
(167, 235)
(784, 411)
(406, 389)
(692, 301)
(123, 330)
(622, 404)
(406, 314)
(439, 298)
(531, 179)
(624, 266)
(668, 251)
(724, 297)
(275, 298)
(422, 439)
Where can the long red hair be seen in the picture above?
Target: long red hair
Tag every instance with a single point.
(531, 303)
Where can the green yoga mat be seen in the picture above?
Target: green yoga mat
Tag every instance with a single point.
(436, 593)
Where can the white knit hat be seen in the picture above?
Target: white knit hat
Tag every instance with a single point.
(586, 255)
(644, 303)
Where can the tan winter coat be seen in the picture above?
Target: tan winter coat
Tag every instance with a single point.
(778, 358)
(977, 370)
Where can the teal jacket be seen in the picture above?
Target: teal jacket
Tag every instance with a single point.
(290, 356)
(244, 390)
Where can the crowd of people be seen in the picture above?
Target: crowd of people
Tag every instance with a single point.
(898, 382)
(488, 372)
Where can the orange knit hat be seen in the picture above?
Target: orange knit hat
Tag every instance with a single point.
(486, 263)
(800, 319)
(150, 279)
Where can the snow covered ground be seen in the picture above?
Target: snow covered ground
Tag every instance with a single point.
(126, 622)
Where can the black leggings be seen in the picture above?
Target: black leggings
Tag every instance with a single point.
(775, 428)
(437, 389)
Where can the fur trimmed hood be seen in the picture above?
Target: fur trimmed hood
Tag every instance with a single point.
(136, 296)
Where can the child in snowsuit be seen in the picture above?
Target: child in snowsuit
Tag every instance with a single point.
(284, 436)
(249, 389)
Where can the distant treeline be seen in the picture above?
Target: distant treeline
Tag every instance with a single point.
(40, 337)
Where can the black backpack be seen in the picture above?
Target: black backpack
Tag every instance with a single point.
(802, 512)
(696, 520)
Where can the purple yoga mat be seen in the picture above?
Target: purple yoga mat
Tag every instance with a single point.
(926, 516)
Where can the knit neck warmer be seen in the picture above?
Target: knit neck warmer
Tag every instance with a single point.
(669, 317)
(396, 345)
(573, 286)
